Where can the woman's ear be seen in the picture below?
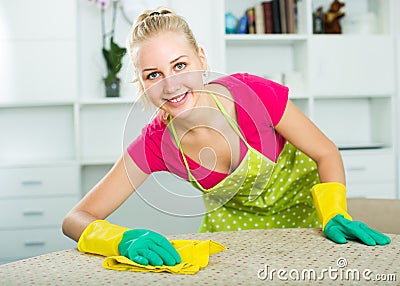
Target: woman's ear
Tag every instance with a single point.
(203, 58)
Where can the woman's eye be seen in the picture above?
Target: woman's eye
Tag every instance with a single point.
(180, 66)
(153, 75)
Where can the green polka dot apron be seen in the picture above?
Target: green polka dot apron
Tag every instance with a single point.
(260, 193)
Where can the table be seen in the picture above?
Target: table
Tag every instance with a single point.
(254, 257)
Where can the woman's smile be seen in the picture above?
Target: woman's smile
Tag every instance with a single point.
(179, 99)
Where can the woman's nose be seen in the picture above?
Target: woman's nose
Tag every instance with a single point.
(171, 84)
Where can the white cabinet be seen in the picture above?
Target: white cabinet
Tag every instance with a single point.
(345, 83)
(25, 242)
(352, 65)
(37, 133)
(34, 201)
(43, 181)
(370, 173)
(34, 212)
(101, 129)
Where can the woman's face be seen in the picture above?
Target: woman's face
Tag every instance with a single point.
(169, 69)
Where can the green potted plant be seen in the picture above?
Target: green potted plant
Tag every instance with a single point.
(113, 57)
(113, 54)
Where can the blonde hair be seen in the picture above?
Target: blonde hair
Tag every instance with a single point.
(149, 24)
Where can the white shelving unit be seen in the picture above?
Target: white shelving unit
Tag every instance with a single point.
(39, 167)
(348, 83)
(396, 31)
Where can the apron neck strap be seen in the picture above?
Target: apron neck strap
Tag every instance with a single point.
(178, 142)
(231, 122)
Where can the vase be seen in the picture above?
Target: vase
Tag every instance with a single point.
(112, 88)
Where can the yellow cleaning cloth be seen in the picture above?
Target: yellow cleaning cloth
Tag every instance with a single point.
(194, 255)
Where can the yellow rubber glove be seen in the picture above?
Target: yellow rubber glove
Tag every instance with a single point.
(101, 237)
(140, 245)
(330, 200)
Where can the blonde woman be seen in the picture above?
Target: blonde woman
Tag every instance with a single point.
(269, 166)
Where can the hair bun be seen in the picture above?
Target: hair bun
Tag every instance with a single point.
(161, 11)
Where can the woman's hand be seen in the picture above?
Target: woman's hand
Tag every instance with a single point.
(339, 229)
(148, 247)
(337, 224)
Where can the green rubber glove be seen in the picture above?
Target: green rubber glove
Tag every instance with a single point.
(148, 247)
(339, 229)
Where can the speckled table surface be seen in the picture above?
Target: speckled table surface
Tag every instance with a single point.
(254, 257)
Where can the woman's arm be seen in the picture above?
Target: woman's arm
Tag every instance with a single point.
(299, 130)
(105, 197)
(329, 196)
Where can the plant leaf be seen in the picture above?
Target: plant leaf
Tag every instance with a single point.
(113, 58)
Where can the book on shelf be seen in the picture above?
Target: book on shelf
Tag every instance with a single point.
(259, 18)
(282, 16)
(250, 12)
(269, 17)
(290, 16)
(276, 17)
(267, 14)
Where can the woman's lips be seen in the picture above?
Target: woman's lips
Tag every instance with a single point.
(178, 99)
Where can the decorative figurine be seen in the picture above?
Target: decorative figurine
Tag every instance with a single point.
(333, 16)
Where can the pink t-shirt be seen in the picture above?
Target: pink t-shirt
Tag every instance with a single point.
(260, 104)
